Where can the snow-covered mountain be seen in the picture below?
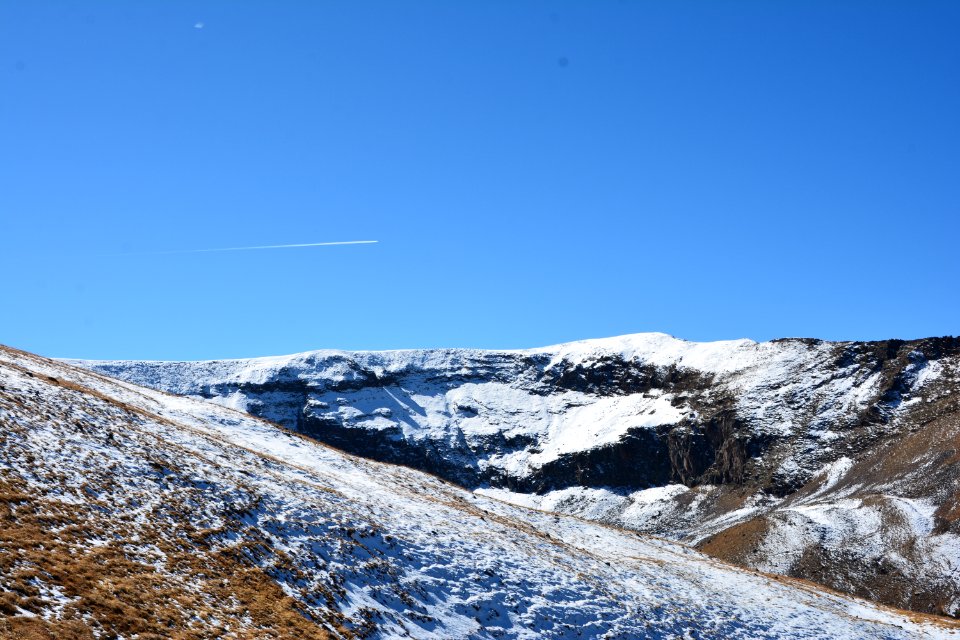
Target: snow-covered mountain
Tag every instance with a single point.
(836, 462)
(132, 513)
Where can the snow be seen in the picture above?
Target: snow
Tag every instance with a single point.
(423, 393)
(604, 421)
(831, 474)
(887, 529)
(604, 505)
(493, 382)
(415, 556)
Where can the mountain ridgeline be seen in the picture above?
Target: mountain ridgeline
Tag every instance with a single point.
(833, 461)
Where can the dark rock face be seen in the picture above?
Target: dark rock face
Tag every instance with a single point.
(641, 458)
(715, 452)
(389, 445)
(735, 434)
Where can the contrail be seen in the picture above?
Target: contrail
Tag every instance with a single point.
(267, 246)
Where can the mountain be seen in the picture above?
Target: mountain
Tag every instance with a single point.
(132, 513)
(836, 462)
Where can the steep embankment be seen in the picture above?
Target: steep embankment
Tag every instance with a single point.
(836, 462)
(130, 513)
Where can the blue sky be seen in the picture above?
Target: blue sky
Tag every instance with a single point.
(535, 172)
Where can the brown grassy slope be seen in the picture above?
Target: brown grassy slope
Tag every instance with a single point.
(70, 569)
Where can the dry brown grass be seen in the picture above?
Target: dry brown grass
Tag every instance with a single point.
(200, 589)
(737, 543)
(120, 596)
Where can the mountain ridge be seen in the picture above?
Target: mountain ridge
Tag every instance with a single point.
(785, 444)
(244, 530)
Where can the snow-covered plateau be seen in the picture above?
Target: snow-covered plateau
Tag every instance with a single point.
(132, 513)
(838, 462)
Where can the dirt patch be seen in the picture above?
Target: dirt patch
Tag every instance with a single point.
(739, 544)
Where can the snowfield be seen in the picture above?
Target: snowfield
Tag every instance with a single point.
(356, 547)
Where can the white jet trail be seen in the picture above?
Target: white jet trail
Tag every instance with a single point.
(267, 246)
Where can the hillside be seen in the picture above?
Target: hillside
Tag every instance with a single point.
(130, 513)
(834, 462)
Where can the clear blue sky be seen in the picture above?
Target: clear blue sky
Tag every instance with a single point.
(535, 172)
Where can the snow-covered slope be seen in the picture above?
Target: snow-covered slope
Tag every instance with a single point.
(513, 412)
(791, 441)
(132, 513)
